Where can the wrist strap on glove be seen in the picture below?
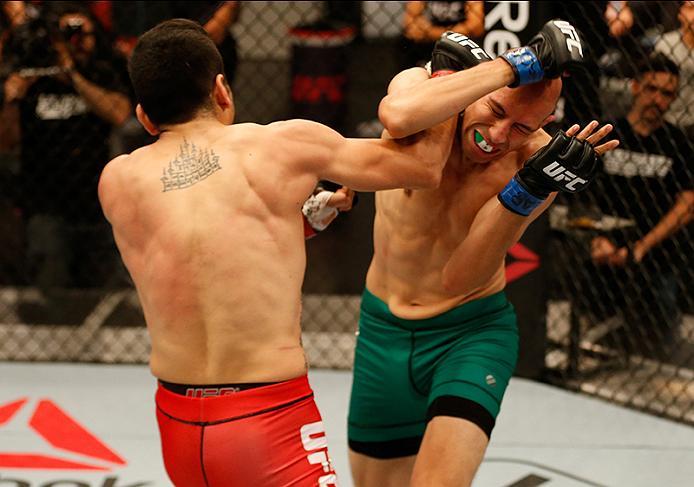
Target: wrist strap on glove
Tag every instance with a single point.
(518, 199)
(525, 65)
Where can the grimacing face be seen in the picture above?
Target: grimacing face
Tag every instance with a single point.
(501, 122)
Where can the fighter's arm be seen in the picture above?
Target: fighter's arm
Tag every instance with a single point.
(471, 75)
(494, 230)
(365, 164)
(416, 102)
(502, 220)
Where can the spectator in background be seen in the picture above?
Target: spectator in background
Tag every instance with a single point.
(679, 45)
(217, 19)
(70, 89)
(424, 22)
(639, 20)
(633, 29)
(648, 180)
(12, 16)
(635, 26)
(619, 17)
(131, 19)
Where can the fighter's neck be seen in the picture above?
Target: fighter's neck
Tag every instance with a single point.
(195, 126)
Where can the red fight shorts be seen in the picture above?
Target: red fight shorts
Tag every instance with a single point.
(269, 436)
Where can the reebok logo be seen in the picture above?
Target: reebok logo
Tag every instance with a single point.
(464, 40)
(525, 261)
(560, 174)
(569, 31)
(71, 441)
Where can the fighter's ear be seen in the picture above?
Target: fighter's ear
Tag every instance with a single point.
(222, 92)
(144, 120)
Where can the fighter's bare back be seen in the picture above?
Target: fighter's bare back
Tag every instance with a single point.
(218, 259)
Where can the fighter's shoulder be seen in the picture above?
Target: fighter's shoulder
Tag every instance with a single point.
(293, 126)
(114, 167)
(115, 173)
(110, 186)
(299, 130)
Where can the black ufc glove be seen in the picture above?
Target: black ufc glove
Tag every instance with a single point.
(455, 52)
(555, 49)
(566, 164)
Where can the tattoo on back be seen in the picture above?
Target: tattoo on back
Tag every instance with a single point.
(190, 166)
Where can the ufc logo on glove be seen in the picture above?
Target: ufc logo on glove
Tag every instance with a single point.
(559, 173)
(571, 34)
(464, 40)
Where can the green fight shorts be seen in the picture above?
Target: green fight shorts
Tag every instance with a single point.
(408, 371)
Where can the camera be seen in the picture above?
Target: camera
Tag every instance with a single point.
(72, 30)
(31, 45)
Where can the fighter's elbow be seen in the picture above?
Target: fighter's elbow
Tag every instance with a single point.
(394, 118)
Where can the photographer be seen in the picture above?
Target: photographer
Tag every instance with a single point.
(71, 91)
(12, 15)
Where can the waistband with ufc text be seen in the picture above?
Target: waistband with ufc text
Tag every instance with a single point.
(210, 390)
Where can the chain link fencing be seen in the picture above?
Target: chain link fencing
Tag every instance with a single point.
(616, 326)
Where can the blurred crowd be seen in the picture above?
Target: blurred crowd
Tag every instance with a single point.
(68, 108)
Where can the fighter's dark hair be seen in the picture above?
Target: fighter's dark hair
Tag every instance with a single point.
(173, 69)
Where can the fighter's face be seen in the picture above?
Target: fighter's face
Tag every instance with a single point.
(501, 122)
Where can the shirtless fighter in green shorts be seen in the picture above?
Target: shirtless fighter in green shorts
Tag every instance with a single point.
(438, 340)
